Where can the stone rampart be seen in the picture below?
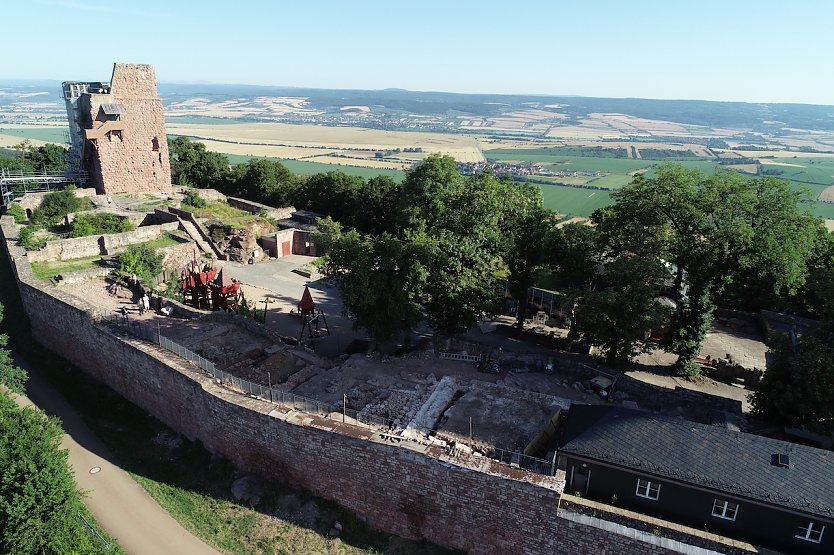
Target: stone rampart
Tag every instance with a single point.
(256, 208)
(97, 245)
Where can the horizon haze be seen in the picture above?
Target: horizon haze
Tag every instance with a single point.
(755, 52)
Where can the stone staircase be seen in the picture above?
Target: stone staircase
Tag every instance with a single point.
(196, 232)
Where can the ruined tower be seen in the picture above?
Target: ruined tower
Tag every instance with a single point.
(122, 131)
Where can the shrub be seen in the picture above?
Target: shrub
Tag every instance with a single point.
(98, 224)
(28, 240)
(17, 212)
(55, 206)
(194, 200)
(140, 260)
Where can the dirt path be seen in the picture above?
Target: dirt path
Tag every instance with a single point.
(119, 504)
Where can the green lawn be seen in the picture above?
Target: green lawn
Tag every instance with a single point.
(50, 269)
(167, 239)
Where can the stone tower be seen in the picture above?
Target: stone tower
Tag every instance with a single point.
(124, 145)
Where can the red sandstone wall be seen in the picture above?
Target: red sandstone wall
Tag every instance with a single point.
(138, 161)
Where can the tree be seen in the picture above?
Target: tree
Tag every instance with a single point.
(11, 375)
(377, 206)
(426, 193)
(140, 260)
(713, 229)
(192, 164)
(48, 158)
(797, 388)
(39, 503)
(619, 314)
(573, 253)
(446, 251)
(529, 226)
(464, 281)
(459, 226)
(264, 181)
(55, 206)
(333, 194)
(381, 279)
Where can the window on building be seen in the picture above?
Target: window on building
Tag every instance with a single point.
(811, 532)
(647, 489)
(725, 509)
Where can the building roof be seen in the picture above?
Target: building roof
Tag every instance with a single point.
(113, 108)
(307, 216)
(708, 456)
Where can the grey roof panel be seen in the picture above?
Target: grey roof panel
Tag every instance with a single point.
(709, 456)
(113, 108)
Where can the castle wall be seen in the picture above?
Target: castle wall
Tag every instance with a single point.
(474, 504)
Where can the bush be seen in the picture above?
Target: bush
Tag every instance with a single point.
(17, 212)
(55, 206)
(140, 260)
(194, 200)
(99, 224)
(28, 240)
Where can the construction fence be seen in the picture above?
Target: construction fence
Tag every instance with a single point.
(276, 396)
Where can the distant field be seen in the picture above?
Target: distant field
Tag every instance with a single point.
(577, 163)
(46, 134)
(309, 168)
(573, 201)
(462, 147)
(816, 171)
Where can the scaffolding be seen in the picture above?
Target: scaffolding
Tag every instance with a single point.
(15, 183)
(72, 91)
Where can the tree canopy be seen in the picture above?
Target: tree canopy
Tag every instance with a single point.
(441, 242)
(798, 387)
(714, 229)
(193, 165)
(39, 502)
(46, 158)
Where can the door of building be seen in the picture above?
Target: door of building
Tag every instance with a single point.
(286, 248)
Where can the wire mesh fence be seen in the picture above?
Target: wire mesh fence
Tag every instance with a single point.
(339, 413)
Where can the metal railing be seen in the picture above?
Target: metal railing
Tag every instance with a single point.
(339, 413)
(274, 394)
(95, 533)
(520, 460)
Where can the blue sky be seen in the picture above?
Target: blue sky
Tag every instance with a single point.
(755, 51)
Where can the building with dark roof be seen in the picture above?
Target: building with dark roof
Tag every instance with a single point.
(769, 492)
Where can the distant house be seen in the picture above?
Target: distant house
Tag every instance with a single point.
(769, 492)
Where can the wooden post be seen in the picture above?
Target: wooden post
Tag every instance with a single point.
(470, 431)
(344, 406)
(269, 381)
